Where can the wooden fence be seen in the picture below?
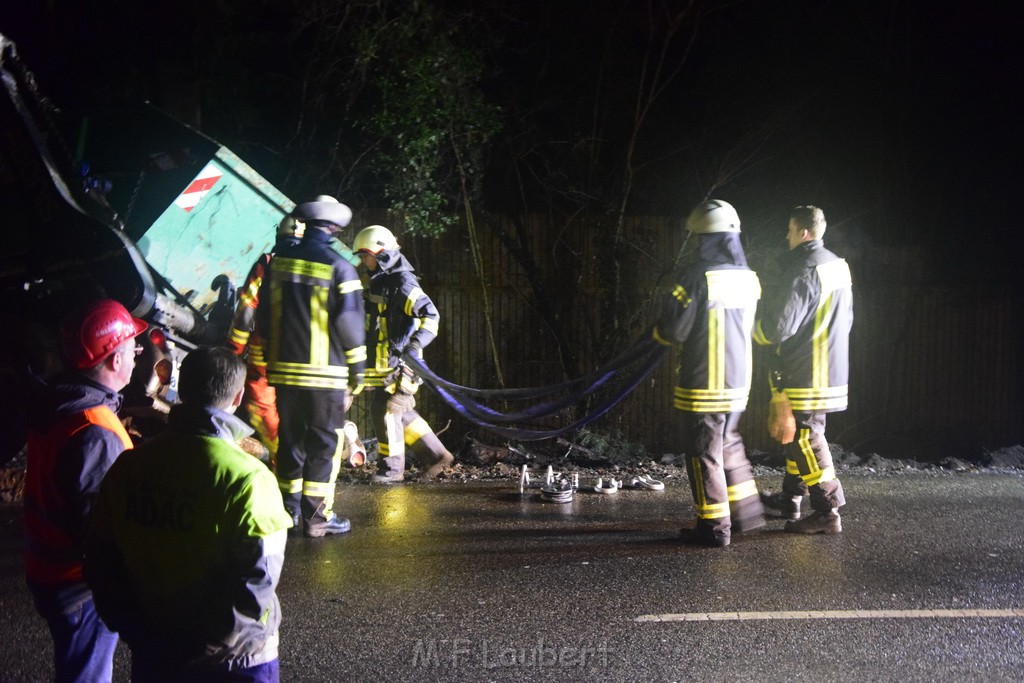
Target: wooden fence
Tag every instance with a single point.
(936, 370)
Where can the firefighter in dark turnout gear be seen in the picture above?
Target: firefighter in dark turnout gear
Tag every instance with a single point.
(260, 403)
(400, 318)
(72, 444)
(312, 327)
(806, 319)
(710, 314)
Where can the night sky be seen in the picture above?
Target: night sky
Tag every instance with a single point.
(902, 119)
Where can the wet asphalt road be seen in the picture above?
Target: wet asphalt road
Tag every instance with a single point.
(473, 582)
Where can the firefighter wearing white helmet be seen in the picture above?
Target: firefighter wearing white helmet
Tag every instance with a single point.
(713, 216)
(709, 316)
(374, 240)
(400, 319)
(259, 406)
(312, 326)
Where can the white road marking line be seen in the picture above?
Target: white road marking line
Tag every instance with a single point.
(838, 614)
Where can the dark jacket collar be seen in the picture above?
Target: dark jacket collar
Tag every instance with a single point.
(207, 421)
(392, 261)
(721, 248)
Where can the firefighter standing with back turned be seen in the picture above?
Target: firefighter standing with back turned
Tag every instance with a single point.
(260, 400)
(312, 326)
(400, 318)
(806, 320)
(710, 314)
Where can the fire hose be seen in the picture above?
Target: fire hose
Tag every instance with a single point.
(466, 401)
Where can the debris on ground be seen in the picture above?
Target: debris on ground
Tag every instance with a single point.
(595, 458)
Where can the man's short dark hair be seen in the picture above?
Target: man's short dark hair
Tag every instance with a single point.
(211, 376)
(811, 219)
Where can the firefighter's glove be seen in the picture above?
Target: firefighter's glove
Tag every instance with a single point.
(400, 403)
(355, 387)
(781, 423)
(402, 380)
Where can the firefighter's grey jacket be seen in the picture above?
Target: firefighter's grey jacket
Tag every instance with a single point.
(710, 313)
(399, 315)
(807, 318)
(311, 321)
(187, 544)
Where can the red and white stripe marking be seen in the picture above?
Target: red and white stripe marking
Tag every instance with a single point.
(198, 188)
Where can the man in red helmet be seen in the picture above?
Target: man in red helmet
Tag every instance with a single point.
(72, 442)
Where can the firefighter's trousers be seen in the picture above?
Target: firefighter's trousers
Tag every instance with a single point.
(809, 464)
(310, 449)
(721, 478)
(397, 432)
(260, 404)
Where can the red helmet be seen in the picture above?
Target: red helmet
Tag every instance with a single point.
(92, 334)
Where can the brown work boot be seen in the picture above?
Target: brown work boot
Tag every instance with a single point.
(443, 462)
(818, 522)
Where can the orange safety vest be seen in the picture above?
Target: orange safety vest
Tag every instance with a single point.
(50, 554)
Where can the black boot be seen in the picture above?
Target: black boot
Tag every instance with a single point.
(390, 470)
(703, 534)
(783, 504)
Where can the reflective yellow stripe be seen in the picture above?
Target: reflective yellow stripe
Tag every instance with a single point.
(711, 400)
(816, 392)
(791, 467)
(719, 394)
(744, 489)
(275, 319)
(733, 288)
(256, 355)
(834, 275)
(349, 286)
(416, 430)
(410, 301)
(735, 406)
(429, 324)
(818, 398)
(759, 336)
(319, 336)
(822, 404)
(318, 489)
(657, 336)
(290, 485)
(681, 295)
(395, 437)
(338, 371)
(819, 343)
(249, 294)
(240, 337)
(705, 510)
(815, 475)
(306, 382)
(716, 348)
(355, 355)
(712, 511)
(827, 474)
(297, 270)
